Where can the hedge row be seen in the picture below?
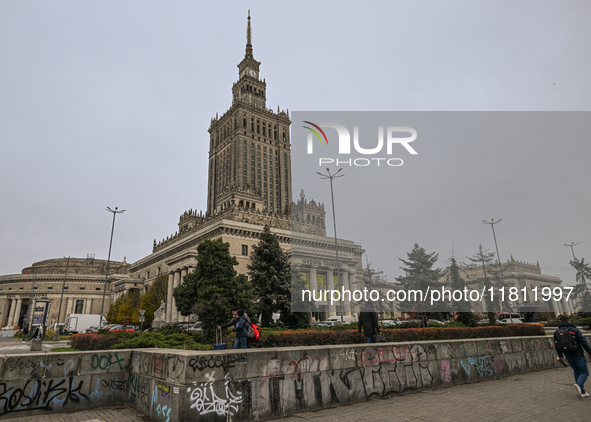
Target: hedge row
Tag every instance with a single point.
(137, 340)
(302, 337)
(317, 338)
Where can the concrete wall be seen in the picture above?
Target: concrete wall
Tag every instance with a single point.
(34, 384)
(175, 385)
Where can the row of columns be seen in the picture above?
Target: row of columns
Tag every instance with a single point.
(71, 306)
(15, 312)
(175, 279)
(333, 309)
(558, 307)
(16, 307)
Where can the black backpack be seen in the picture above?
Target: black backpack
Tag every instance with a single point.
(565, 341)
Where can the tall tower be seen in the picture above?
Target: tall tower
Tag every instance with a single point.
(249, 147)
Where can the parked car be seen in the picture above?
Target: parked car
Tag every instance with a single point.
(511, 321)
(125, 328)
(346, 319)
(195, 327)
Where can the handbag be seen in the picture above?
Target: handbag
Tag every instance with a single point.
(379, 338)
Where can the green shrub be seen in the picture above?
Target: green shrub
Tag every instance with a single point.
(18, 334)
(164, 340)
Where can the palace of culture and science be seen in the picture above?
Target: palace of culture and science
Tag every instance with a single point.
(249, 187)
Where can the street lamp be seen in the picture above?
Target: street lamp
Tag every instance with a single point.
(115, 212)
(56, 335)
(572, 249)
(31, 309)
(336, 248)
(492, 225)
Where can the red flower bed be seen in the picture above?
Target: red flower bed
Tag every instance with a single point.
(93, 341)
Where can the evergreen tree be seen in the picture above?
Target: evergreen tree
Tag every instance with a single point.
(456, 282)
(270, 273)
(153, 298)
(213, 288)
(299, 314)
(484, 259)
(581, 291)
(420, 275)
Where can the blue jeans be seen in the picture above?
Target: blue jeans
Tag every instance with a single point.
(240, 342)
(579, 365)
(370, 339)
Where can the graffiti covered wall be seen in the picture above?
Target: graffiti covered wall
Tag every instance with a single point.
(255, 384)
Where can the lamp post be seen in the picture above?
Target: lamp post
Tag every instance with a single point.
(336, 248)
(492, 225)
(115, 212)
(31, 310)
(56, 335)
(572, 249)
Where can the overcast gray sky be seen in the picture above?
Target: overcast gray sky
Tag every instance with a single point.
(108, 104)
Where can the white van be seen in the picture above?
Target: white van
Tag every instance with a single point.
(346, 319)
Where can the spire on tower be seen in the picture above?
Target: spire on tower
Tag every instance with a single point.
(248, 38)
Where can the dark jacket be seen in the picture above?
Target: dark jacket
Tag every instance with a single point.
(368, 319)
(581, 341)
(234, 321)
(26, 330)
(241, 326)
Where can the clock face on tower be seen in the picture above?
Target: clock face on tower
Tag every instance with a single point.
(252, 73)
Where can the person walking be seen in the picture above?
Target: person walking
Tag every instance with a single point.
(368, 320)
(241, 330)
(234, 321)
(569, 343)
(25, 332)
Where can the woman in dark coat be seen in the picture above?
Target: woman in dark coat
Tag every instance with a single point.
(368, 320)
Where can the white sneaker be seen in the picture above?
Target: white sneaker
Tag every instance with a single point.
(579, 393)
(585, 395)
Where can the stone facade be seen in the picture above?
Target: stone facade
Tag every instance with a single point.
(521, 274)
(43, 281)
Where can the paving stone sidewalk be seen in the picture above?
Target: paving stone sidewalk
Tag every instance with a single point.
(106, 414)
(536, 396)
(547, 395)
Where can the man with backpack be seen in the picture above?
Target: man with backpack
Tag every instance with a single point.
(569, 343)
(241, 330)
